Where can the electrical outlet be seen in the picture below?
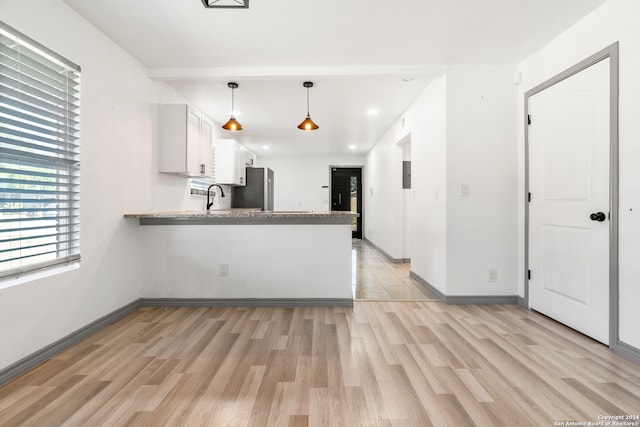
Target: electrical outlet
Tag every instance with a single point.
(224, 270)
(493, 275)
(464, 190)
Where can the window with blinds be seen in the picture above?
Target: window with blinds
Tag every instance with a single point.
(39, 156)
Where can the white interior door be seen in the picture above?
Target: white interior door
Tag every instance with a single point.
(569, 181)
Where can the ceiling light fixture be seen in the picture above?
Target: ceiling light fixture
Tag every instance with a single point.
(232, 125)
(226, 4)
(308, 124)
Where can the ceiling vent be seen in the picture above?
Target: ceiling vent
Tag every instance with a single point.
(226, 4)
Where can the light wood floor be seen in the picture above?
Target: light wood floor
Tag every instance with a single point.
(375, 278)
(378, 364)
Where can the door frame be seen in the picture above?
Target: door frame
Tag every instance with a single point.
(360, 195)
(610, 52)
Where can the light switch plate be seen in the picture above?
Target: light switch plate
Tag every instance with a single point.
(224, 270)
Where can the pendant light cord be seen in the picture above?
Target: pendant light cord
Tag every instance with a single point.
(308, 114)
(232, 102)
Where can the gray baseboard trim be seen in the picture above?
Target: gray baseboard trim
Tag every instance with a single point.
(522, 302)
(465, 299)
(626, 350)
(246, 302)
(481, 299)
(383, 253)
(29, 362)
(436, 292)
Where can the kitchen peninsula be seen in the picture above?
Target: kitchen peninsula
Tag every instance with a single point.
(244, 256)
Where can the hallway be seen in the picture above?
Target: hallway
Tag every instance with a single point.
(375, 278)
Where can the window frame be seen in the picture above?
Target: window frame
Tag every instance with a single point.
(39, 142)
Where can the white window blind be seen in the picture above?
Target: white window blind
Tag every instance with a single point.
(39, 156)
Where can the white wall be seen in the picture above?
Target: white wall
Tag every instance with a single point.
(462, 131)
(264, 261)
(407, 200)
(482, 154)
(118, 133)
(383, 198)
(299, 181)
(425, 127)
(616, 20)
(427, 122)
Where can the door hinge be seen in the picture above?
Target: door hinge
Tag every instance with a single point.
(529, 274)
(528, 119)
(529, 197)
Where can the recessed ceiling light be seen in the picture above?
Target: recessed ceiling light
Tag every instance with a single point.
(372, 112)
(266, 147)
(352, 147)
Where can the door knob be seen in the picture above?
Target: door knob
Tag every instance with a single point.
(598, 216)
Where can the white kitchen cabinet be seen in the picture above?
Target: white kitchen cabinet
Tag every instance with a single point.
(250, 159)
(231, 159)
(206, 147)
(186, 139)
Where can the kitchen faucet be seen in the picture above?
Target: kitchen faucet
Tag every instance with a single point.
(209, 201)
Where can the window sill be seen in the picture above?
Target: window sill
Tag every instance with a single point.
(37, 275)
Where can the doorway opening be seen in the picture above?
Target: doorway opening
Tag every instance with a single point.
(346, 194)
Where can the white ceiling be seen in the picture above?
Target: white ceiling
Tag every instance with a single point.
(360, 55)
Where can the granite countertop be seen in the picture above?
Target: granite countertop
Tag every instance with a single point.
(241, 216)
(243, 213)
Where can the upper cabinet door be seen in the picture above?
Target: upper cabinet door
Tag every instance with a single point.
(231, 162)
(194, 165)
(185, 142)
(206, 147)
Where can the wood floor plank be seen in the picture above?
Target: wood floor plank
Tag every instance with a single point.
(177, 404)
(24, 396)
(377, 364)
(60, 410)
(36, 406)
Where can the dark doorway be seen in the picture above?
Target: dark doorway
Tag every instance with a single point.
(346, 195)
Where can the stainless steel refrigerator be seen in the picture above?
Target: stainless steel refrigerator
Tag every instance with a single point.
(258, 193)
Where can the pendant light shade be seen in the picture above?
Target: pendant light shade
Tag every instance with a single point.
(232, 125)
(308, 124)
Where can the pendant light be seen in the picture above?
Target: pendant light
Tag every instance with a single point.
(308, 124)
(233, 125)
